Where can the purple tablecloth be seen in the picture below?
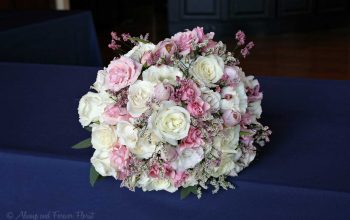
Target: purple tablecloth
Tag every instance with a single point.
(50, 37)
(303, 173)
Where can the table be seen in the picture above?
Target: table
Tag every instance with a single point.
(303, 173)
(49, 37)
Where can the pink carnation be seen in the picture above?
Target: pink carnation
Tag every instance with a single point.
(121, 73)
(120, 160)
(176, 177)
(184, 40)
(154, 171)
(200, 36)
(168, 170)
(179, 178)
(198, 108)
(113, 114)
(211, 45)
(193, 139)
(188, 91)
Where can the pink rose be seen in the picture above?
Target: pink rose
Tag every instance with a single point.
(231, 118)
(188, 91)
(198, 108)
(113, 114)
(163, 92)
(165, 50)
(193, 139)
(154, 171)
(120, 160)
(231, 76)
(121, 73)
(184, 41)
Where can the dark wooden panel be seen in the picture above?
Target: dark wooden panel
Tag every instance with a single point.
(199, 9)
(251, 8)
(6, 4)
(295, 7)
(325, 6)
(257, 16)
(26, 4)
(194, 7)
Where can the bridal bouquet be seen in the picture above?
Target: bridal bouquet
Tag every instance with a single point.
(179, 114)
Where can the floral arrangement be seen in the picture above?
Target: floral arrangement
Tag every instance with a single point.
(179, 114)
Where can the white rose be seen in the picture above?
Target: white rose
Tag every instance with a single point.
(227, 164)
(127, 134)
(144, 148)
(91, 107)
(170, 123)
(250, 82)
(102, 163)
(240, 73)
(234, 99)
(137, 51)
(188, 158)
(162, 184)
(99, 84)
(139, 94)
(228, 146)
(248, 157)
(162, 74)
(237, 155)
(211, 97)
(207, 70)
(255, 110)
(228, 142)
(245, 159)
(103, 137)
(148, 184)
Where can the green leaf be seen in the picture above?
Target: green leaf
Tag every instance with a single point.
(88, 128)
(83, 144)
(187, 191)
(139, 40)
(244, 133)
(94, 175)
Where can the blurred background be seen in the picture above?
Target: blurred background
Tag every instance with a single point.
(298, 38)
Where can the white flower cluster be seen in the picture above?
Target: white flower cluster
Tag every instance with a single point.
(172, 115)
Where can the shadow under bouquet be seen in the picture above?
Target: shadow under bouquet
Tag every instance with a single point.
(180, 114)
